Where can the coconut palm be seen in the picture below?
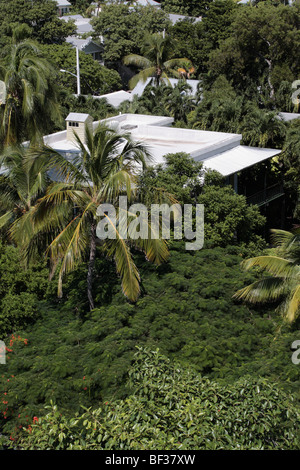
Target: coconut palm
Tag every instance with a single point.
(179, 101)
(284, 283)
(31, 96)
(262, 128)
(20, 184)
(156, 61)
(105, 168)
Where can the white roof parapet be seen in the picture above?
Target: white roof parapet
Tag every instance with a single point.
(145, 3)
(174, 18)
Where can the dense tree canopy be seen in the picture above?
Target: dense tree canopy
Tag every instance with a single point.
(40, 15)
(257, 45)
(186, 7)
(95, 78)
(124, 28)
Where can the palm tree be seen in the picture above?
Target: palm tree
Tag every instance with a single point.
(21, 185)
(262, 128)
(284, 282)
(31, 95)
(104, 169)
(156, 61)
(179, 101)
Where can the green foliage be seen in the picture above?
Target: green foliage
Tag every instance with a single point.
(257, 44)
(157, 60)
(228, 218)
(186, 7)
(95, 78)
(173, 408)
(283, 281)
(186, 310)
(124, 28)
(31, 104)
(98, 108)
(40, 15)
(20, 291)
(179, 177)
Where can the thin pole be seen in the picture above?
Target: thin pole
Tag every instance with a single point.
(78, 72)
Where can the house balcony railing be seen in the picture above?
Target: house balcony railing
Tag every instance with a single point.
(266, 195)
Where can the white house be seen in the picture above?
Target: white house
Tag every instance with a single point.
(88, 46)
(63, 7)
(217, 151)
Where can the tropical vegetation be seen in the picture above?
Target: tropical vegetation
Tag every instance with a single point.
(128, 344)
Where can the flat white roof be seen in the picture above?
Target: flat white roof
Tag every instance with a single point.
(288, 116)
(218, 151)
(140, 87)
(82, 24)
(115, 98)
(238, 158)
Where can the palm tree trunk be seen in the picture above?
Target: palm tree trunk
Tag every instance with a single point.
(91, 266)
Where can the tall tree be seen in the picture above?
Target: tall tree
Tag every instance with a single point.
(156, 61)
(41, 16)
(31, 94)
(20, 184)
(123, 28)
(258, 41)
(104, 170)
(262, 128)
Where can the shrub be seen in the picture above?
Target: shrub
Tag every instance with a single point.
(173, 408)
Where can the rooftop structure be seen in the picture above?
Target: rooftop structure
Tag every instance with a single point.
(88, 46)
(63, 7)
(82, 24)
(218, 151)
(140, 87)
(76, 122)
(175, 18)
(146, 3)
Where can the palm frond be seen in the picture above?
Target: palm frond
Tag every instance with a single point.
(293, 306)
(273, 264)
(119, 250)
(269, 289)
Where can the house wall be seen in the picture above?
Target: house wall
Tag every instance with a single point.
(79, 128)
(63, 10)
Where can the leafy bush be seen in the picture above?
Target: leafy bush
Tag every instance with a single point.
(173, 408)
(20, 290)
(186, 310)
(228, 219)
